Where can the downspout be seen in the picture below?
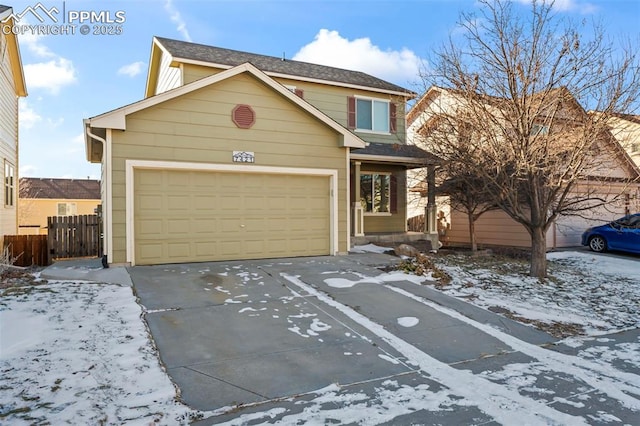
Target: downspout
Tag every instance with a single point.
(105, 262)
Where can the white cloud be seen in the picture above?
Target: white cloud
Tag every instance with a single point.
(28, 116)
(569, 6)
(27, 170)
(51, 75)
(33, 42)
(131, 70)
(330, 48)
(176, 18)
(77, 144)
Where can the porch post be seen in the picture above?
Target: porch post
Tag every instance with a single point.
(356, 184)
(358, 213)
(430, 211)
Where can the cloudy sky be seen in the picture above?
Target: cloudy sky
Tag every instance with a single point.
(75, 76)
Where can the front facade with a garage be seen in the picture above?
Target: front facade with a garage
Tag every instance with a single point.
(231, 163)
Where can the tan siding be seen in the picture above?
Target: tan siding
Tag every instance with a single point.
(192, 73)
(283, 135)
(168, 77)
(8, 136)
(492, 228)
(331, 100)
(34, 212)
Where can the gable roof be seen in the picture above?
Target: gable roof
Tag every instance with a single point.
(116, 119)
(65, 189)
(15, 61)
(561, 94)
(200, 54)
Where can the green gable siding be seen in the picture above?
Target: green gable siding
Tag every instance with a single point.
(197, 127)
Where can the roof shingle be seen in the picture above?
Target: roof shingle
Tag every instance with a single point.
(271, 64)
(51, 188)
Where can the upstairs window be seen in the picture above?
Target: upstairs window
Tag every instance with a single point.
(375, 193)
(67, 209)
(539, 129)
(372, 115)
(9, 184)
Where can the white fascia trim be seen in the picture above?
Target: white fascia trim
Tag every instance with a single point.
(176, 61)
(159, 44)
(348, 200)
(108, 209)
(388, 159)
(116, 119)
(132, 165)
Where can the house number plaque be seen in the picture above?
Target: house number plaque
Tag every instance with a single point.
(243, 157)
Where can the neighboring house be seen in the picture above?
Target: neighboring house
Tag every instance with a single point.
(12, 87)
(41, 198)
(233, 155)
(496, 227)
(626, 129)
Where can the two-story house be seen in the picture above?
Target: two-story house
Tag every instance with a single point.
(608, 186)
(626, 129)
(234, 155)
(12, 87)
(41, 198)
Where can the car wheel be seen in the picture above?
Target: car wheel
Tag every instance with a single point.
(597, 244)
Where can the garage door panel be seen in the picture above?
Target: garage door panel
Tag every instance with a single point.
(179, 226)
(183, 216)
(178, 202)
(150, 228)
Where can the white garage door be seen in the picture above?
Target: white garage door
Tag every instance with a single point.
(192, 216)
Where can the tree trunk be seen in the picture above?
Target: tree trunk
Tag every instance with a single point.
(472, 233)
(538, 253)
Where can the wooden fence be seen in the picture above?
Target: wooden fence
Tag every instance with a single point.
(416, 224)
(74, 236)
(27, 250)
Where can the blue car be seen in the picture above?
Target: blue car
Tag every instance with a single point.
(622, 234)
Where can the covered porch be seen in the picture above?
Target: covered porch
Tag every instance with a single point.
(378, 194)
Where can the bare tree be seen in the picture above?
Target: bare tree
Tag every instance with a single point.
(467, 195)
(507, 106)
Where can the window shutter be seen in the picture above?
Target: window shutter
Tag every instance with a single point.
(299, 93)
(351, 112)
(393, 202)
(393, 119)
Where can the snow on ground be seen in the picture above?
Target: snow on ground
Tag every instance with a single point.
(78, 353)
(585, 293)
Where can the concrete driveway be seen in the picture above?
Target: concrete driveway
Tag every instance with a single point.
(271, 333)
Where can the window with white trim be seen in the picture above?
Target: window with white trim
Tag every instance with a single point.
(372, 114)
(375, 192)
(539, 129)
(67, 209)
(9, 184)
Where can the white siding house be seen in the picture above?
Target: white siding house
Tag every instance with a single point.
(12, 87)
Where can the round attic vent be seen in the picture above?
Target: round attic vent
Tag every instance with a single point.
(243, 116)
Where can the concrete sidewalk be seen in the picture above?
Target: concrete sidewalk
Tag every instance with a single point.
(86, 269)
